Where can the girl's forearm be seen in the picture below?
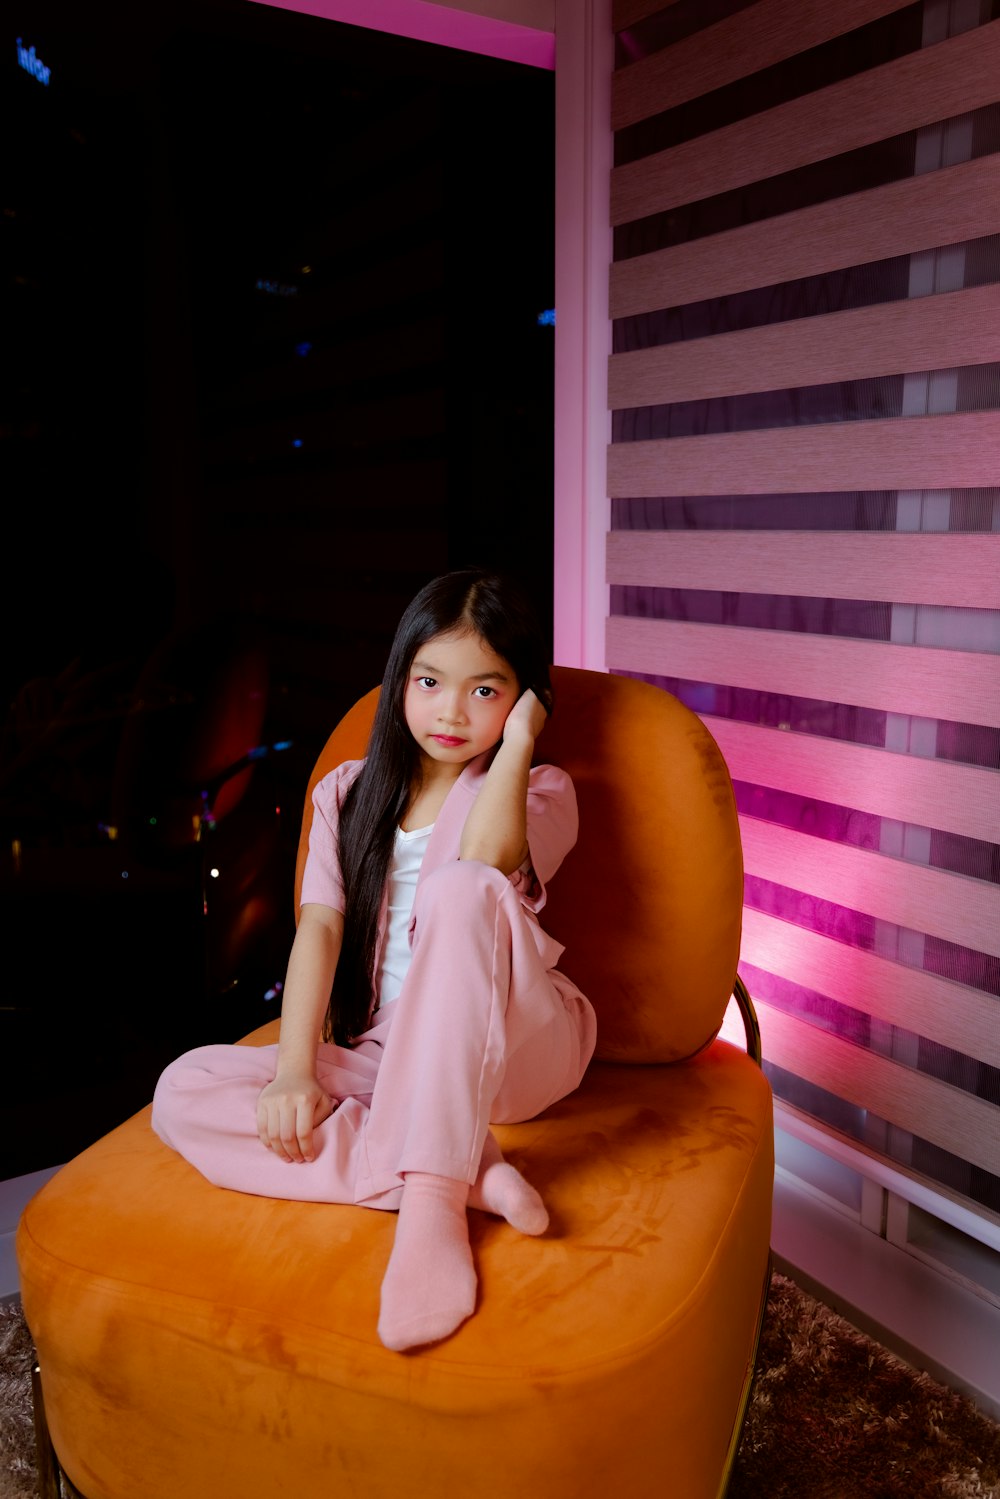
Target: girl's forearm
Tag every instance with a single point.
(495, 830)
(311, 967)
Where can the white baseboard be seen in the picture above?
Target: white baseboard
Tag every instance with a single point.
(917, 1312)
(15, 1194)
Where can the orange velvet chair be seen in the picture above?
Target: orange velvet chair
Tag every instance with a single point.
(200, 1343)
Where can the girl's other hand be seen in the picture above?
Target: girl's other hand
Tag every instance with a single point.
(288, 1110)
(526, 718)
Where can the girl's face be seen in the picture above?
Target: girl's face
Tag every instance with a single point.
(458, 695)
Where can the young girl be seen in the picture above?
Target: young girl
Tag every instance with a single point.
(421, 1001)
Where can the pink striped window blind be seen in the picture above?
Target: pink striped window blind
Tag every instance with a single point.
(805, 542)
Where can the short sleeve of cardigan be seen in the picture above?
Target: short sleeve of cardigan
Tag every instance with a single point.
(553, 823)
(321, 880)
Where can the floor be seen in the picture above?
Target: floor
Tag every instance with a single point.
(14, 1196)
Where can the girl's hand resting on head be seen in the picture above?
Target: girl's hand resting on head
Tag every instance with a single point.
(526, 719)
(288, 1110)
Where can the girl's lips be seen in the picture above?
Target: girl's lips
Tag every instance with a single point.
(448, 740)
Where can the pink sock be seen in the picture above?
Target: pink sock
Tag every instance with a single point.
(430, 1286)
(502, 1190)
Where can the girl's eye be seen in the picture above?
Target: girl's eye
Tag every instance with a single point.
(485, 692)
(427, 681)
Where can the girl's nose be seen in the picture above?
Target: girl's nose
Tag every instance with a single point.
(451, 710)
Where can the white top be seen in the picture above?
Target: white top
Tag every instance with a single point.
(407, 857)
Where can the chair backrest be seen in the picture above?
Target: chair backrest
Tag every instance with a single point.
(649, 902)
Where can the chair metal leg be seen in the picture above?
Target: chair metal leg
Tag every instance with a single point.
(749, 1016)
(741, 1415)
(751, 1028)
(45, 1454)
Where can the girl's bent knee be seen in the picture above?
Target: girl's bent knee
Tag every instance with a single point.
(199, 1061)
(463, 882)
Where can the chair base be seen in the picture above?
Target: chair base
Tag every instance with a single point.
(161, 1305)
(53, 1483)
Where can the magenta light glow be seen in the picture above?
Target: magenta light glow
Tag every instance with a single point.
(439, 24)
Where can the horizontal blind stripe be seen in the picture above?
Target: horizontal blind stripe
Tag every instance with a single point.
(953, 1015)
(936, 83)
(927, 682)
(733, 48)
(958, 1122)
(949, 906)
(919, 213)
(627, 12)
(921, 333)
(954, 569)
(919, 452)
(962, 799)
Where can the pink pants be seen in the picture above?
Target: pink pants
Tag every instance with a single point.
(481, 1032)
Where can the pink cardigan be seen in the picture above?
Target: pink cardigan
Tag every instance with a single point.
(552, 832)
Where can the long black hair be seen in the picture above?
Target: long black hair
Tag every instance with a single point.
(482, 603)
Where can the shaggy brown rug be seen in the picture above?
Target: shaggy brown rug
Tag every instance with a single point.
(17, 1435)
(832, 1416)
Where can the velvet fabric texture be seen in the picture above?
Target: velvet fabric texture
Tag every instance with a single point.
(204, 1342)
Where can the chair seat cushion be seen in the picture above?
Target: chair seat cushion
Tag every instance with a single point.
(214, 1319)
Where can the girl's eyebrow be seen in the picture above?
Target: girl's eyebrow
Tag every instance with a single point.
(425, 668)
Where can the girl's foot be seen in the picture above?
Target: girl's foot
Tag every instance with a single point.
(502, 1190)
(430, 1286)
